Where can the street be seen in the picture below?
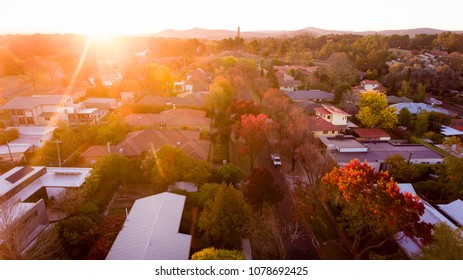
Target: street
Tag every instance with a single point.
(303, 248)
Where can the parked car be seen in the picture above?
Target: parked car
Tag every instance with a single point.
(276, 160)
(434, 102)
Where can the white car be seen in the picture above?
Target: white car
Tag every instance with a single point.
(276, 160)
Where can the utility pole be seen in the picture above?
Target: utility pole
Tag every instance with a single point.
(59, 156)
(9, 151)
(109, 147)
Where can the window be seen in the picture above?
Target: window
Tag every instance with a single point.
(161, 125)
(328, 117)
(47, 118)
(30, 120)
(325, 132)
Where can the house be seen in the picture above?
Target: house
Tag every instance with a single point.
(371, 134)
(36, 110)
(310, 95)
(139, 142)
(20, 183)
(127, 96)
(73, 91)
(179, 118)
(415, 108)
(198, 80)
(108, 79)
(332, 114)
(100, 103)
(30, 139)
(321, 127)
(194, 100)
(412, 246)
(454, 210)
(342, 149)
(448, 131)
(151, 231)
(369, 85)
(32, 216)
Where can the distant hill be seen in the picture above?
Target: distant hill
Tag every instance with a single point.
(211, 34)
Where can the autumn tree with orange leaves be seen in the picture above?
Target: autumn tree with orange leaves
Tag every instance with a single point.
(373, 208)
(253, 131)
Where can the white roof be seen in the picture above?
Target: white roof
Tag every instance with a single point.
(151, 231)
(55, 177)
(34, 130)
(431, 215)
(449, 131)
(4, 152)
(454, 210)
(415, 108)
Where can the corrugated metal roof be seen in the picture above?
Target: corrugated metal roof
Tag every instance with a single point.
(151, 231)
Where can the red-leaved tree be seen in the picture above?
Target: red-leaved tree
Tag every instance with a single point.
(373, 208)
(253, 131)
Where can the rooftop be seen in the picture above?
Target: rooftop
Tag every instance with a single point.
(378, 151)
(29, 102)
(173, 117)
(371, 133)
(309, 94)
(454, 210)
(150, 231)
(59, 177)
(415, 108)
(319, 124)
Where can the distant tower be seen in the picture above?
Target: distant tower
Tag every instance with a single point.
(238, 34)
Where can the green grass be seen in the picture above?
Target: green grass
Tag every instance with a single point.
(432, 147)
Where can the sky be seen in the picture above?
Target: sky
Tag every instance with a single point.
(109, 17)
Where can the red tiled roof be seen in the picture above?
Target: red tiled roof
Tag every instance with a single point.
(370, 132)
(138, 142)
(371, 82)
(319, 124)
(336, 110)
(322, 111)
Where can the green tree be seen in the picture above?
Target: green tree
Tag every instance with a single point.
(227, 173)
(405, 89)
(114, 131)
(170, 164)
(217, 254)
(405, 117)
(403, 171)
(420, 92)
(451, 177)
(207, 192)
(374, 111)
(78, 234)
(446, 245)
(225, 219)
(373, 208)
(422, 122)
(340, 69)
(261, 189)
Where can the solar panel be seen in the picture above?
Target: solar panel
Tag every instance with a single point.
(13, 178)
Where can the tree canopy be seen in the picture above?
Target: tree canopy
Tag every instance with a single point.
(217, 254)
(374, 111)
(373, 208)
(225, 219)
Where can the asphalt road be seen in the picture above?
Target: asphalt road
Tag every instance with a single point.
(302, 249)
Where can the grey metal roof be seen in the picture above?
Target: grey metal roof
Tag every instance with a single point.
(29, 102)
(309, 94)
(151, 231)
